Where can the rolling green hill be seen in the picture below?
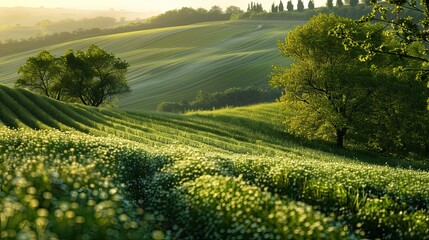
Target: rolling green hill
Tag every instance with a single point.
(169, 64)
(225, 174)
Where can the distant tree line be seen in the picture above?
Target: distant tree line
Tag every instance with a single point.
(71, 25)
(93, 77)
(303, 14)
(232, 97)
(176, 17)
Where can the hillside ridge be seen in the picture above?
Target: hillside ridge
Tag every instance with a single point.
(169, 64)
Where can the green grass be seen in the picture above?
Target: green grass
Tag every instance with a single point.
(231, 173)
(169, 64)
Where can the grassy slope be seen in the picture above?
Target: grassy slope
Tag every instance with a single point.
(255, 129)
(248, 143)
(172, 63)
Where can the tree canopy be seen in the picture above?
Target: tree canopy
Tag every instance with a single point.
(310, 4)
(407, 22)
(334, 93)
(328, 85)
(300, 6)
(93, 77)
(289, 6)
(41, 74)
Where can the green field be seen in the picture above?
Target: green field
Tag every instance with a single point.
(169, 64)
(227, 174)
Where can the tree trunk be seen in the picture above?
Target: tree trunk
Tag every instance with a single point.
(340, 137)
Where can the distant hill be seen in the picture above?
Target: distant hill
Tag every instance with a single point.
(21, 22)
(30, 16)
(169, 64)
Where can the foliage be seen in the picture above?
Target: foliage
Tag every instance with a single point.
(398, 124)
(281, 7)
(49, 27)
(184, 16)
(407, 22)
(353, 3)
(300, 6)
(330, 4)
(274, 8)
(329, 85)
(41, 74)
(365, 100)
(310, 4)
(255, 7)
(339, 3)
(232, 97)
(345, 11)
(289, 6)
(94, 77)
(231, 10)
(107, 74)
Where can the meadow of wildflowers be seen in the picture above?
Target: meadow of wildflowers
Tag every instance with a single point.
(73, 172)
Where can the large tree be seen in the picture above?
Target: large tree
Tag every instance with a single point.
(329, 87)
(41, 74)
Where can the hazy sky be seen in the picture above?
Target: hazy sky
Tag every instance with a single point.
(136, 5)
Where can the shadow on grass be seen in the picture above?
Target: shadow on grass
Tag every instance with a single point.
(249, 130)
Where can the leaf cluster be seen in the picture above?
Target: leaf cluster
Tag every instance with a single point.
(336, 91)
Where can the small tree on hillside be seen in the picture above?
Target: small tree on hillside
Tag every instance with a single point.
(310, 4)
(274, 8)
(216, 10)
(300, 6)
(231, 10)
(339, 3)
(330, 4)
(289, 6)
(255, 7)
(353, 3)
(281, 7)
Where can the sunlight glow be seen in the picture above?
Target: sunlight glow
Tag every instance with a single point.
(135, 5)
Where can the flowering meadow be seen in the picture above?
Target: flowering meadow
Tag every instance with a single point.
(73, 172)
